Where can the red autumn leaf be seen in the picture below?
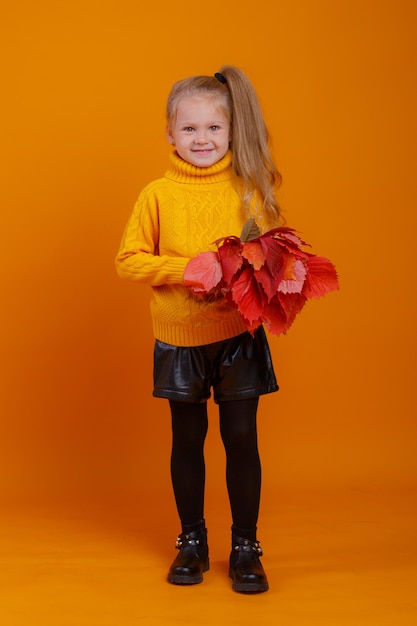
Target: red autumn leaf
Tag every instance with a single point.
(267, 280)
(254, 253)
(288, 270)
(294, 285)
(203, 272)
(251, 327)
(288, 234)
(287, 240)
(280, 314)
(274, 318)
(321, 277)
(273, 254)
(230, 253)
(248, 296)
(292, 303)
(292, 237)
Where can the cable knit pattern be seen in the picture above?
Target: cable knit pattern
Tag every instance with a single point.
(175, 218)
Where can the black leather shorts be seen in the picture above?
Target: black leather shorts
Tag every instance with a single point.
(237, 368)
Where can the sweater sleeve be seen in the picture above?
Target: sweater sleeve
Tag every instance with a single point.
(138, 257)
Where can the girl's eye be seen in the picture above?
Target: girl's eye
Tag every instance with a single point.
(188, 129)
(214, 127)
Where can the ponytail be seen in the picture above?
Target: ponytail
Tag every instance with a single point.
(252, 160)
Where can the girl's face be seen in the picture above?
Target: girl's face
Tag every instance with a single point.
(200, 131)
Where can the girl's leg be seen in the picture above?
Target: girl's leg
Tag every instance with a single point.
(243, 476)
(243, 466)
(189, 429)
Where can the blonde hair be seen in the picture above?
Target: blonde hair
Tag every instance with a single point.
(252, 161)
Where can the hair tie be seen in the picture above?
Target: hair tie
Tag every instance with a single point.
(222, 79)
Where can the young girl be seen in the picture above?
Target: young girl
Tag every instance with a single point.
(221, 173)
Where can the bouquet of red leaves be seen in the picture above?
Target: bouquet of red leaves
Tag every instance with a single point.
(268, 277)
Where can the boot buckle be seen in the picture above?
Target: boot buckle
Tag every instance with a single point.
(186, 540)
(249, 546)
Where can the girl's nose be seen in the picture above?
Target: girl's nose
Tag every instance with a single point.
(201, 138)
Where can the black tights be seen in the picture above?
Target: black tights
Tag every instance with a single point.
(243, 467)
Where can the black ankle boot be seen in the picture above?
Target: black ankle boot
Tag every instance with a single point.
(192, 560)
(246, 570)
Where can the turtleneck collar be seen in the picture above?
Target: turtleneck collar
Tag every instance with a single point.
(183, 172)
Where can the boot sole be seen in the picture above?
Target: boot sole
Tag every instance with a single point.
(248, 587)
(178, 579)
(185, 580)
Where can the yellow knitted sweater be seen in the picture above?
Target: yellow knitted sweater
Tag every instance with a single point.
(175, 218)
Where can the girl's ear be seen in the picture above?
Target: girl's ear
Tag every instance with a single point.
(170, 136)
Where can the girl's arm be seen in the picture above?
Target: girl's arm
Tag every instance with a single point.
(138, 257)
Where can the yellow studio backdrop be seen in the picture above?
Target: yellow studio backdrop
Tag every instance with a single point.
(83, 96)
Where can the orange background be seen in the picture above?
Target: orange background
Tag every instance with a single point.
(84, 85)
(87, 519)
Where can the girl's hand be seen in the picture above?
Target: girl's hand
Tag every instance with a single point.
(203, 273)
